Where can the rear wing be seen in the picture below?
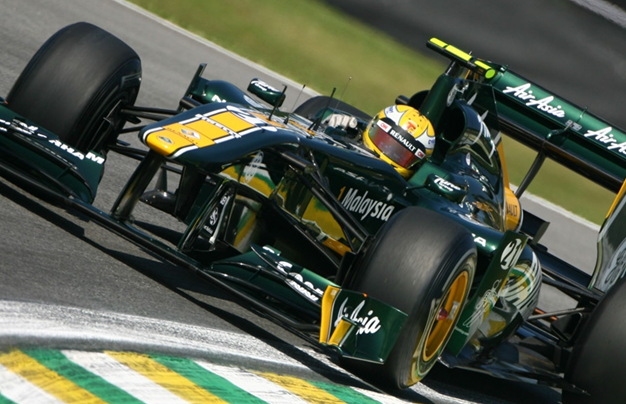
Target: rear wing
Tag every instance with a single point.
(556, 128)
(559, 130)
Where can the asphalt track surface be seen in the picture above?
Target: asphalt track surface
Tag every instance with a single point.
(63, 272)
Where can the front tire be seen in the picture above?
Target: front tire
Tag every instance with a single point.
(598, 362)
(423, 264)
(78, 78)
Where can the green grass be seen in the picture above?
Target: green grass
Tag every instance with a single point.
(310, 43)
(313, 44)
(558, 184)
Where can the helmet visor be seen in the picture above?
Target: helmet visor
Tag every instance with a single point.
(392, 148)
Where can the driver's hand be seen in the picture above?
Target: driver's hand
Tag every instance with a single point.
(341, 121)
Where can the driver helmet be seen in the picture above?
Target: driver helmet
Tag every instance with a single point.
(402, 137)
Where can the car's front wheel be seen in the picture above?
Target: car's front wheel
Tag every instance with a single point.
(423, 264)
(75, 84)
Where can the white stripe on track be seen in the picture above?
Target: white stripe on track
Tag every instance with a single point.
(254, 384)
(380, 397)
(120, 375)
(22, 391)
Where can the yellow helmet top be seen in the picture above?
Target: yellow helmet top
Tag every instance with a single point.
(402, 137)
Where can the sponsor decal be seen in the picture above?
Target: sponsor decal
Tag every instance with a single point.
(480, 240)
(511, 254)
(405, 142)
(484, 305)
(524, 93)
(24, 128)
(522, 287)
(384, 126)
(309, 290)
(446, 185)
(297, 282)
(369, 324)
(351, 174)
(283, 266)
(366, 207)
(411, 127)
(214, 217)
(31, 130)
(605, 137)
(89, 156)
(512, 209)
(190, 133)
(571, 124)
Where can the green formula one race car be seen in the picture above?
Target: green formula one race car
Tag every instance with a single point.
(393, 240)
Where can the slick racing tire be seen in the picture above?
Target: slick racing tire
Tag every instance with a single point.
(310, 108)
(598, 363)
(423, 264)
(75, 85)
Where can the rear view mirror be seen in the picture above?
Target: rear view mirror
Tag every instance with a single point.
(266, 92)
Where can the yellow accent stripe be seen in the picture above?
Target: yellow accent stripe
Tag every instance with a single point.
(481, 64)
(44, 378)
(489, 71)
(165, 377)
(330, 294)
(458, 52)
(340, 332)
(232, 121)
(618, 198)
(305, 390)
(438, 42)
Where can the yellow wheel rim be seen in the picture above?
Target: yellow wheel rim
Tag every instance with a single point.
(446, 315)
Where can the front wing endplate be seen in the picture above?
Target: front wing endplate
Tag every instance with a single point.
(359, 326)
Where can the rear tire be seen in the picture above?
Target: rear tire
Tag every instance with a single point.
(79, 77)
(598, 362)
(420, 263)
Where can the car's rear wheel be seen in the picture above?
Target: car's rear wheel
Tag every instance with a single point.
(75, 85)
(423, 264)
(598, 362)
